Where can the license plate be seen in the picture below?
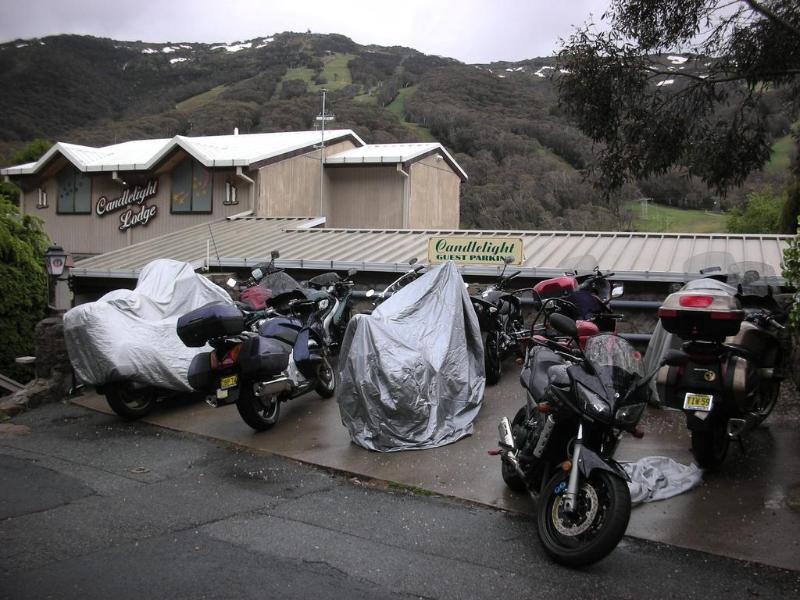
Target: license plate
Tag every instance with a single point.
(228, 382)
(698, 402)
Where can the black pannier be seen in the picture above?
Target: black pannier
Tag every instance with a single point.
(282, 329)
(201, 377)
(211, 321)
(263, 357)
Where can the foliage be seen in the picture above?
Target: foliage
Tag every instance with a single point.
(761, 214)
(791, 273)
(32, 152)
(23, 285)
(711, 116)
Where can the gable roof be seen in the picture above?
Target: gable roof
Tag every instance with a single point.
(394, 153)
(212, 151)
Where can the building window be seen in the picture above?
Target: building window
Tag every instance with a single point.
(41, 201)
(192, 186)
(74, 192)
(230, 193)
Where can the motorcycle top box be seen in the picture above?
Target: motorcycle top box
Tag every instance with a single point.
(705, 314)
(208, 322)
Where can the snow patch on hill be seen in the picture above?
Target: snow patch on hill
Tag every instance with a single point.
(665, 82)
(677, 60)
(177, 60)
(541, 73)
(233, 47)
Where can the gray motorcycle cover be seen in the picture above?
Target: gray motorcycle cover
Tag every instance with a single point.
(130, 335)
(412, 374)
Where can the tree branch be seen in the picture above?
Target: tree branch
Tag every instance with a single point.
(772, 16)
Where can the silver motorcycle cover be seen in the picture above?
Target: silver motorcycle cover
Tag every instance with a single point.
(412, 374)
(130, 335)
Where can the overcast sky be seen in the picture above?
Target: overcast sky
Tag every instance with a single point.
(469, 30)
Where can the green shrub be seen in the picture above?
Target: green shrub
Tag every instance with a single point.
(761, 214)
(23, 285)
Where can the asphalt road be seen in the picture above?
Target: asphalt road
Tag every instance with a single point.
(91, 507)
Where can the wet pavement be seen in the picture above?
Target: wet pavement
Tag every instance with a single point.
(749, 510)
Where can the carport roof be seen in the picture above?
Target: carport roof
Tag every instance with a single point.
(304, 244)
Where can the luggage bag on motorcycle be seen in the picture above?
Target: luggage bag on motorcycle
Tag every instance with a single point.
(262, 357)
(283, 329)
(211, 321)
(200, 375)
(734, 377)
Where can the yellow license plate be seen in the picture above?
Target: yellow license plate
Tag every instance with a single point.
(228, 382)
(698, 402)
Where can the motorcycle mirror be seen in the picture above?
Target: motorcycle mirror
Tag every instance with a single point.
(257, 274)
(675, 358)
(351, 272)
(617, 291)
(370, 293)
(508, 259)
(231, 283)
(412, 261)
(564, 325)
(275, 254)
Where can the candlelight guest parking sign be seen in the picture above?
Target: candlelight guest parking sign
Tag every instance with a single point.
(135, 195)
(471, 250)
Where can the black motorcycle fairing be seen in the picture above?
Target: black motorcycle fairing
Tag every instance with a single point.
(589, 460)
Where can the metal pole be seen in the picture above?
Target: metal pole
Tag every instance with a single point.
(322, 155)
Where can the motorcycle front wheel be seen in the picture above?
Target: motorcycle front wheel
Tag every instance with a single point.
(128, 401)
(491, 357)
(509, 473)
(259, 412)
(594, 528)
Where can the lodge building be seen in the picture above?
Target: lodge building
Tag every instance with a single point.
(94, 200)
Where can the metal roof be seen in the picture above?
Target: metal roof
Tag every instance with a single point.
(392, 153)
(246, 241)
(211, 151)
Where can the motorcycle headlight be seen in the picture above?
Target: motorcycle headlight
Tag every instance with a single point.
(323, 304)
(630, 414)
(593, 404)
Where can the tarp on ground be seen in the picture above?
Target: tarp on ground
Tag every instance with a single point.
(659, 477)
(130, 335)
(412, 374)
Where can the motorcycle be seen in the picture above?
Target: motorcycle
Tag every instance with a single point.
(286, 358)
(338, 315)
(560, 445)
(584, 298)
(734, 356)
(500, 317)
(397, 284)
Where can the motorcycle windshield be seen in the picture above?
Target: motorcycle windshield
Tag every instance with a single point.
(279, 283)
(754, 278)
(618, 364)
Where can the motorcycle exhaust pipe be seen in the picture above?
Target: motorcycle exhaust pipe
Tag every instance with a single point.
(736, 427)
(275, 386)
(506, 439)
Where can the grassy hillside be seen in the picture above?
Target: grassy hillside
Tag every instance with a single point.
(662, 218)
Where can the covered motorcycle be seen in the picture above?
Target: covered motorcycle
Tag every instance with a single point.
(412, 374)
(125, 343)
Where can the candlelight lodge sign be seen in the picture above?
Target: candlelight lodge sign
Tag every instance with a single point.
(131, 196)
(472, 250)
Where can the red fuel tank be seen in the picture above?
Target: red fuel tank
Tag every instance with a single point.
(555, 286)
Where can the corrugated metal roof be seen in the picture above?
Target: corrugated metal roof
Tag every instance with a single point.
(248, 240)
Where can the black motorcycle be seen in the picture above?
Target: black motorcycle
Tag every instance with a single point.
(412, 274)
(337, 316)
(560, 446)
(500, 317)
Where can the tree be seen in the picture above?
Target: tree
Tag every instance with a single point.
(32, 152)
(761, 214)
(682, 83)
(23, 284)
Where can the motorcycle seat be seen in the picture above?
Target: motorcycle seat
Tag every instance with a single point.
(535, 378)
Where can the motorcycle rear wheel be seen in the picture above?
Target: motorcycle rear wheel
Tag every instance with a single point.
(711, 446)
(766, 399)
(260, 413)
(491, 357)
(326, 379)
(130, 402)
(597, 525)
